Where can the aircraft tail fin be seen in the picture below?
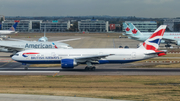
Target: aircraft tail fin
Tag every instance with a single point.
(127, 29)
(153, 42)
(135, 31)
(13, 28)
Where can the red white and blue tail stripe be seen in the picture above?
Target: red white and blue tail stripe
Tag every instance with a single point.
(153, 42)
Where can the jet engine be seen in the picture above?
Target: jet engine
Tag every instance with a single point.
(178, 43)
(68, 63)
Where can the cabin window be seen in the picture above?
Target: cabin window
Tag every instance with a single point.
(74, 54)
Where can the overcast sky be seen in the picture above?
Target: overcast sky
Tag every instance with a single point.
(138, 8)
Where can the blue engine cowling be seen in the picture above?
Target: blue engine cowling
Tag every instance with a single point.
(68, 63)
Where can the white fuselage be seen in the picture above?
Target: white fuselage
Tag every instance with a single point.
(12, 46)
(55, 55)
(167, 35)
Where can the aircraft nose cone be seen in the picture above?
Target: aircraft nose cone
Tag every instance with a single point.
(13, 57)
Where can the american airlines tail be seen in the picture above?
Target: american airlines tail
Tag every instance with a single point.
(153, 42)
(13, 28)
(135, 31)
(127, 29)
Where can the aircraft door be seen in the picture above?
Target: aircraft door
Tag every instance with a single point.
(133, 54)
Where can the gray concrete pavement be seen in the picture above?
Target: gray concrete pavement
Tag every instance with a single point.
(15, 68)
(26, 97)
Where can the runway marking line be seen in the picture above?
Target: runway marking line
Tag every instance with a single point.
(55, 74)
(6, 63)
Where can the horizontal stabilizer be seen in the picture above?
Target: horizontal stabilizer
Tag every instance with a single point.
(158, 52)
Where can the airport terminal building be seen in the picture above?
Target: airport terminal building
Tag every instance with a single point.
(173, 24)
(144, 26)
(37, 25)
(55, 26)
(93, 25)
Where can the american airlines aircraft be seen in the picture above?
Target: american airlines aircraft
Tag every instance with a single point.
(10, 31)
(133, 33)
(42, 43)
(69, 58)
(17, 46)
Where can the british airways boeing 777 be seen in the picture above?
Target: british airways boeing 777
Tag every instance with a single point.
(69, 58)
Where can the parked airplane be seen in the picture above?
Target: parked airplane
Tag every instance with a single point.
(133, 33)
(10, 31)
(42, 43)
(69, 58)
(17, 46)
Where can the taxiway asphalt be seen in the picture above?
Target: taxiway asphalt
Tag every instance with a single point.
(15, 68)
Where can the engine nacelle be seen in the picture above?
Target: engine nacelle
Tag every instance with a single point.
(68, 63)
(163, 41)
(178, 43)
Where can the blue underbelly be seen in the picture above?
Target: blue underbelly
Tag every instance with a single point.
(59, 61)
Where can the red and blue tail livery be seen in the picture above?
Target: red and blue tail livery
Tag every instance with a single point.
(153, 42)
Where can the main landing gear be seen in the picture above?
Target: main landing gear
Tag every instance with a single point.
(90, 67)
(168, 45)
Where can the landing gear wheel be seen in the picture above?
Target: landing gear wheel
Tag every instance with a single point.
(90, 68)
(93, 68)
(167, 45)
(25, 68)
(86, 68)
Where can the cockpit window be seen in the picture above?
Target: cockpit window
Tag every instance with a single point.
(16, 55)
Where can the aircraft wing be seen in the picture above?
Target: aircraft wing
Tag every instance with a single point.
(92, 58)
(169, 40)
(16, 39)
(69, 40)
(11, 48)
